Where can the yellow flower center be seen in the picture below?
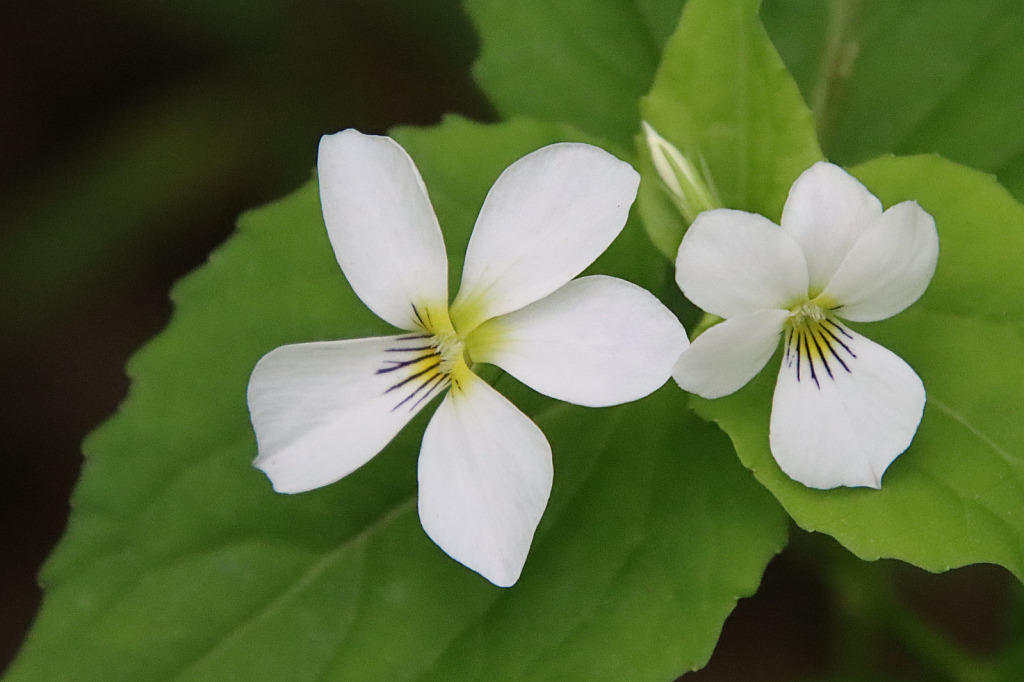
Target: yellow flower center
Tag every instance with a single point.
(806, 315)
(424, 364)
(450, 351)
(817, 345)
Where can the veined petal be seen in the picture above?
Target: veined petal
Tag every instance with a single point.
(322, 410)
(889, 267)
(484, 479)
(826, 212)
(844, 409)
(725, 357)
(733, 262)
(596, 341)
(382, 227)
(548, 216)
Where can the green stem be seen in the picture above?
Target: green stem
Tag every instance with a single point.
(869, 603)
(930, 646)
(837, 60)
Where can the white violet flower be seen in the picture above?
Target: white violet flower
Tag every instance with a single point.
(321, 410)
(844, 406)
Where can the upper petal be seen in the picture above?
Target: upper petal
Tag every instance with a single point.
(733, 262)
(889, 267)
(484, 479)
(382, 227)
(725, 357)
(596, 341)
(826, 212)
(548, 216)
(843, 418)
(322, 410)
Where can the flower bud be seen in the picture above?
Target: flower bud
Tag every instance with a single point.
(689, 190)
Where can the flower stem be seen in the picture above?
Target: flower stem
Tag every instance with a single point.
(869, 606)
(838, 56)
(930, 646)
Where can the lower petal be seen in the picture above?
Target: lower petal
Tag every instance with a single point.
(597, 341)
(725, 357)
(322, 410)
(484, 479)
(844, 409)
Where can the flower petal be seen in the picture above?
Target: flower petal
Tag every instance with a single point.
(827, 210)
(596, 341)
(889, 267)
(548, 216)
(484, 479)
(322, 410)
(843, 423)
(733, 262)
(383, 230)
(725, 357)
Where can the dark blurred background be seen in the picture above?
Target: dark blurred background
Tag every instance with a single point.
(131, 136)
(132, 133)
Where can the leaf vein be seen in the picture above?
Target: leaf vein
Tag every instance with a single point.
(315, 570)
(978, 433)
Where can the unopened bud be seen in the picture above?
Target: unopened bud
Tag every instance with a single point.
(688, 188)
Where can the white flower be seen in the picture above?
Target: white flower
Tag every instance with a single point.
(844, 407)
(321, 410)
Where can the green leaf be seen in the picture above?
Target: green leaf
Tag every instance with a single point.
(908, 77)
(723, 97)
(180, 562)
(981, 234)
(881, 76)
(585, 63)
(956, 496)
